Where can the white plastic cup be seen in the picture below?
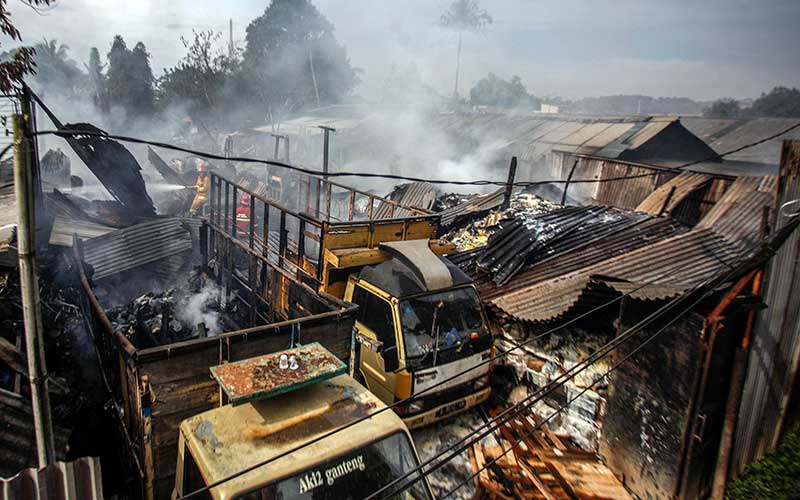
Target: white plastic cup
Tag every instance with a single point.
(284, 362)
(293, 363)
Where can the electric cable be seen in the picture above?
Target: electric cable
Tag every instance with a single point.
(581, 393)
(424, 391)
(455, 449)
(64, 133)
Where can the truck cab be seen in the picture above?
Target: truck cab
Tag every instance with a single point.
(420, 322)
(350, 464)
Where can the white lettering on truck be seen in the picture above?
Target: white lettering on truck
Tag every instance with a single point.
(313, 479)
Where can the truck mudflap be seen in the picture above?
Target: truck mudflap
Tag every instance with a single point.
(447, 409)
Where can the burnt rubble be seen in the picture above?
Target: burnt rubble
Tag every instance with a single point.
(187, 312)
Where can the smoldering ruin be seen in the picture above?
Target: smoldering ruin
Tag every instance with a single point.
(514, 296)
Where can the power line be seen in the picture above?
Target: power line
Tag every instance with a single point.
(456, 448)
(76, 133)
(754, 259)
(424, 391)
(581, 393)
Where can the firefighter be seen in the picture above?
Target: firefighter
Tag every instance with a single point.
(243, 215)
(203, 186)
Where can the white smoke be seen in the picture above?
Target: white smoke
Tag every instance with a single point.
(198, 308)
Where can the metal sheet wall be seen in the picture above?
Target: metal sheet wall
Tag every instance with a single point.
(775, 347)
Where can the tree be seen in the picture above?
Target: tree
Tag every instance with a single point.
(723, 108)
(95, 70)
(292, 58)
(130, 81)
(203, 78)
(461, 16)
(55, 71)
(494, 91)
(779, 102)
(16, 65)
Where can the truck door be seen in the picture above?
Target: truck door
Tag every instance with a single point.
(376, 321)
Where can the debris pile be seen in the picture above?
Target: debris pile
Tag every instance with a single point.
(439, 438)
(155, 319)
(449, 200)
(476, 233)
(540, 465)
(543, 361)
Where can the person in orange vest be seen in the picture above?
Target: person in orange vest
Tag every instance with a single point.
(243, 215)
(203, 187)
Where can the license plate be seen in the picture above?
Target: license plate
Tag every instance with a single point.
(447, 410)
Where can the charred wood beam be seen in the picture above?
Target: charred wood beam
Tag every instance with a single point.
(13, 357)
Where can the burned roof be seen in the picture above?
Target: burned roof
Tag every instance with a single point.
(673, 263)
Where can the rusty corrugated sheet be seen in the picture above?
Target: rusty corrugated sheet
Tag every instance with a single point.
(587, 248)
(419, 195)
(775, 345)
(474, 206)
(683, 184)
(673, 265)
(128, 248)
(77, 480)
(17, 441)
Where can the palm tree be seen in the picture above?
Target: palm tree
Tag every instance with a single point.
(461, 16)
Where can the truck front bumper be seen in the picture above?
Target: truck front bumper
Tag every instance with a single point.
(448, 409)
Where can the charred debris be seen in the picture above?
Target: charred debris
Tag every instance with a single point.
(192, 262)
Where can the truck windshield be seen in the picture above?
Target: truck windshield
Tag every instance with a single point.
(448, 321)
(354, 475)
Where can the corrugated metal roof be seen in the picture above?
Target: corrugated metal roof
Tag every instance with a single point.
(8, 211)
(128, 248)
(772, 365)
(725, 134)
(64, 229)
(585, 248)
(77, 480)
(719, 241)
(419, 195)
(473, 206)
(17, 440)
(683, 184)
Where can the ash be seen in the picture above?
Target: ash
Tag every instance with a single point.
(476, 234)
(440, 438)
(153, 319)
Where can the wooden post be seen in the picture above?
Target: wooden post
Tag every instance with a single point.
(512, 173)
(566, 186)
(325, 145)
(29, 290)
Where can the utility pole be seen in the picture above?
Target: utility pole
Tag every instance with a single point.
(326, 143)
(231, 48)
(29, 285)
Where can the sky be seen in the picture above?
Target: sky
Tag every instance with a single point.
(571, 48)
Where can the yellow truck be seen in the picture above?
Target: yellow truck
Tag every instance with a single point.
(420, 321)
(229, 444)
(419, 327)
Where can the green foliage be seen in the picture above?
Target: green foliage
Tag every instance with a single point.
(779, 102)
(723, 108)
(19, 62)
(95, 70)
(55, 71)
(494, 91)
(292, 59)
(203, 79)
(130, 81)
(774, 477)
